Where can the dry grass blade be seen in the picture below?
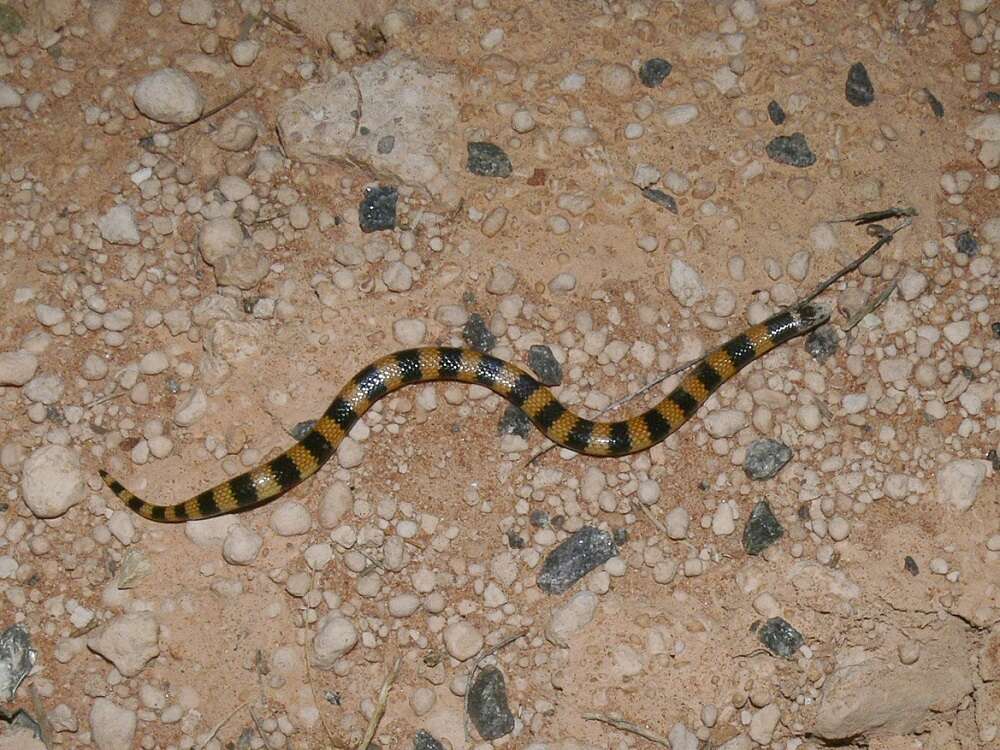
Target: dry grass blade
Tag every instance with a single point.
(213, 111)
(215, 730)
(380, 704)
(628, 726)
(657, 523)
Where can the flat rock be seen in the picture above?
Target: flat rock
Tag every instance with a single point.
(128, 642)
(404, 101)
(872, 693)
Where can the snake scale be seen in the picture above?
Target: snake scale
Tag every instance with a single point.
(388, 374)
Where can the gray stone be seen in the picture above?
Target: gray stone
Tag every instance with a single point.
(765, 458)
(170, 96)
(574, 558)
(792, 150)
(858, 89)
(762, 529)
(488, 708)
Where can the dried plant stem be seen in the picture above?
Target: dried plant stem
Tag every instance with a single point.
(628, 726)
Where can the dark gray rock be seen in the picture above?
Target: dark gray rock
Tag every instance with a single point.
(386, 144)
(822, 343)
(792, 150)
(936, 106)
(488, 160)
(966, 244)
(910, 566)
(660, 198)
(859, 90)
(515, 422)
(487, 703)
(477, 334)
(574, 558)
(17, 658)
(654, 71)
(765, 458)
(539, 518)
(775, 112)
(762, 529)
(543, 363)
(378, 209)
(780, 638)
(423, 740)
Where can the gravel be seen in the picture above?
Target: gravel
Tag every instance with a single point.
(765, 458)
(476, 334)
(118, 226)
(780, 638)
(654, 72)
(462, 640)
(775, 113)
(377, 211)
(487, 704)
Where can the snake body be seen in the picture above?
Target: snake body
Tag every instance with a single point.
(275, 477)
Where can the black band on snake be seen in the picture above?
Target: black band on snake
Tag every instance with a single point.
(555, 421)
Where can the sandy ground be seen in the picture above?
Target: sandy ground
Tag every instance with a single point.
(133, 341)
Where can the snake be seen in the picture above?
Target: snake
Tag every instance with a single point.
(273, 478)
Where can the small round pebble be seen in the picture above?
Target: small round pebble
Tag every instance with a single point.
(169, 96)
(241, 545)
(291, 518)
(462, 640)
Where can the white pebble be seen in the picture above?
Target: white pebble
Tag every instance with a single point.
(570, 618)
(462, 640)
(52, 481)
(291, 518)
(118, 226)
(169, 96)
(17, 367)
(241, 545)
(245, 53)
(959, 482)
(335, 637)
(677, 523)
(685, 283)
(678, 115)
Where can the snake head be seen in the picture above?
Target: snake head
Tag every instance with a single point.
(811, 315)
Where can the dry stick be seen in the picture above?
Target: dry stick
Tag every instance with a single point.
(657, 523)
(260, 730)
(215, 731)
(884, 240)
(871, 305)
(283, 22)
(312, 692)
(475, 668)
(213, 111)
(628, 726)
(361, 103)
(383, 699)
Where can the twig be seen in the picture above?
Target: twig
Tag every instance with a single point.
(869, 217)
(105, 399)
(884, 240)
(312, 692)
(628, 726)
(284, 22)
(872, 304)
(219, 726)
(475, 668)
(383, 699)
(657, 523)
(44, 725)
(260, 730)
(361, 103)
(213, 111)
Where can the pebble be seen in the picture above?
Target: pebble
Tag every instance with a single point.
(291, 518)
(765, 458)
(462, 640)
(403, 605)
(775, 113)
(570, 618)
(678, 115)
(128, 641)
(169, 96)
(191, 408)
(576, 556)
(966, 244)
(377, 210)
(858, 89)
(335, 637)
(822, 343)
(9, 97)
(17, 367)
(153, 363)
(763, 724)
(957, 331)
(686, 284)
(723, 523)
(52, 481)
(487, 704)
(959, 482)
(780, 638)
(654, 71)
(118, 226)
(398, 277)
(241, 545)
(111, 726)
(409, 332)
(616, 79)
(488, 160)
(762, 529)
(244, 53)
(725, 422)
(678, 522)
(792, 150)
(985, 128)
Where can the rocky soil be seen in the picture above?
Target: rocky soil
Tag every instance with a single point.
(213, 213)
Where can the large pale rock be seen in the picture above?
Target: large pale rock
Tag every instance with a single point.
(408, 128)
(51, 481)
(128, 642)
(169, 95)
(873, 693)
